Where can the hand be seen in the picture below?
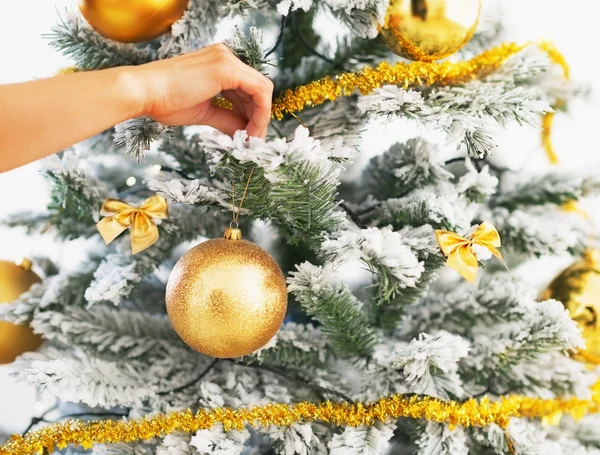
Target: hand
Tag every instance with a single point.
(179, 91)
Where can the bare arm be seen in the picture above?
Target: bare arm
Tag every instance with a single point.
(43, 117)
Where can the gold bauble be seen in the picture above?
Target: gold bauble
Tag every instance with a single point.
(132, 21)
(15, 339)
(226, 297)
(429, 30)
(578, 288)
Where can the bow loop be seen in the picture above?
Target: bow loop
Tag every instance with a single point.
(120, 216)
(459, 250)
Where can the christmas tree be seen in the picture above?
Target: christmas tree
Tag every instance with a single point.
(402, 352)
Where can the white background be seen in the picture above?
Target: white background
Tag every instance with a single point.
(572, 25)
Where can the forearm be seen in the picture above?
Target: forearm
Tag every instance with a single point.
(46, 116)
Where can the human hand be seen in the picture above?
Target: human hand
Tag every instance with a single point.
(179, 91)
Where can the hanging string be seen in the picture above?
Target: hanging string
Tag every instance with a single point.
(236, 215)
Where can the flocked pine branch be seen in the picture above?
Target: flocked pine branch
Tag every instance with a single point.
(91, 51)
(434, 206)
(186, 151)
(361, 16)
(217, 441)
(468, 113)
(79, 378)
(546, 328)
(195, 29)
(249, 48)
(554, 188)
(296, 439)
(536, 231)
(337, 126)
(427, 365)
(108, 332)
(176, 444)
(144, 448)
(137, 135)
(295, 346)
(192, 192)
(394, 265)
(294, 184)
(440, 439)
(404, 168)
(75, 197)
(363, 440)
(336, 308)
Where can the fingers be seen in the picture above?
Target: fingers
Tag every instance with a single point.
(224, 120)
(260, 113)
(254, 92)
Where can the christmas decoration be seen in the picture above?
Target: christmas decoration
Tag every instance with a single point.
(226, 297)
(428, 30)
(15, 279)
(120, 216)
(578, 288)
(132, 21)
(471, 413)
(406, 75)
(462, 253)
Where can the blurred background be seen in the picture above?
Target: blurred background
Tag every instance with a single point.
(572, 26)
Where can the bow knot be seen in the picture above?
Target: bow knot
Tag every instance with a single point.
(460, 252)
(120, 216)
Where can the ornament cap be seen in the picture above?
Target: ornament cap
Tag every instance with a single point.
(25, 264)
(233, 233)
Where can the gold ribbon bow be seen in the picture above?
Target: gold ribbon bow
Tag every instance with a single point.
(459, 250)
(120, 216)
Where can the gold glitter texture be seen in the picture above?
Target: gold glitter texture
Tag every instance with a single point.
(226, 297)
(15, 339)
(132, 21)
(472, 413)
(429, 30)
(578, 287)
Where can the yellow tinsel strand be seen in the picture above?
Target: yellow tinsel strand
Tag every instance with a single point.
(547, 122)
(548, 118)
(477, 413)
(403, 74)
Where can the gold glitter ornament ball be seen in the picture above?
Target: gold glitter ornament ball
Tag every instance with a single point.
(132, 21)
(429, 30)
(226, 297)
(578, 288)
(15, 340)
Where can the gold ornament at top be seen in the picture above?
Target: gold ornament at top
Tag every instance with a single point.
(15, 279)
(578, 288)
(428, 30)
(226, 297)
(132, 21)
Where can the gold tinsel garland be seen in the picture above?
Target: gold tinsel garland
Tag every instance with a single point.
(404, 74)
(473, 412)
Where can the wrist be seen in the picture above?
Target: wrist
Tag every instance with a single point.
(131, 90)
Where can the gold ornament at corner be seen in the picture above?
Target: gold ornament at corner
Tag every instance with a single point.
(578, 288)
(226, 297)
(428, 30)
(15, 279)
(132, 21)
